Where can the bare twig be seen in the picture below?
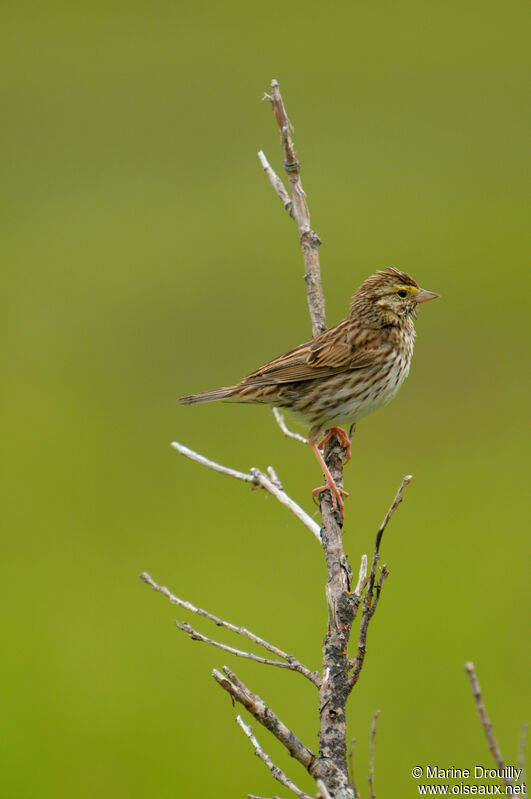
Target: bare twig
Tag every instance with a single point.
(276, 182)
(197, 636)
(351, 768)
(275, 479)
(266, 716)
(217, 467)
(486, 722)
(254, 796)
(396, 502)
(371, 755)
(291, 661)
(369, 608)
(257, 478)
(266, 483)
(362, 577)
(276, 772)
(298, 210)
(287, 432)
(372, 595)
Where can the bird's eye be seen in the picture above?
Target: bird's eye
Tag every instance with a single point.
(402, 293)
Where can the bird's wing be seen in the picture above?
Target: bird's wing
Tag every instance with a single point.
(338, 349)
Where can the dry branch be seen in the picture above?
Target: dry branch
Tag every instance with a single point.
(291, 662)
(487, 725)
(372, 595)
(351, 768)
(362, 577)
(342, 602)
(257, 478)
(275, 180)
(329, 767)
(197, 636)
(298, 209)
(394, 505)
(279, 417)
(277, 773)
(254, 796)
(266, 716)
(371, 755)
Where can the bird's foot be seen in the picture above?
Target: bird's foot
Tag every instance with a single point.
(336, 493)
(343, 439)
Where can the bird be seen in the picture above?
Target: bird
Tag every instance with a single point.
(344, 373)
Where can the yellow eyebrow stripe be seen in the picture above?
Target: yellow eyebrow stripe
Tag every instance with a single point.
(410, 289)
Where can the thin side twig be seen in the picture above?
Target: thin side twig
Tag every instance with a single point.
(371, 755)
(485, 721)
(370, 604)
(255, 796)
(275, 479)
(257, 478)
(275, 181)
(293, 663)
(394, 505)
(362, 577)
(351, 768)
(265, 716)
(276, 772)
(298, 209)
(279, 417)
(197, 636)
(372, 594)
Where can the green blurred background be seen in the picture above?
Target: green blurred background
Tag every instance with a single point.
(145, 256)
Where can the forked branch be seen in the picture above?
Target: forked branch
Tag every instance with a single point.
(291, 662)
(372, 594)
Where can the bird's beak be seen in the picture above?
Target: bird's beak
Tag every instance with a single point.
(424, 296)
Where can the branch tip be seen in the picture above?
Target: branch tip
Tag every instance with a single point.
(257, 478)
(297, 207)
(485, 721)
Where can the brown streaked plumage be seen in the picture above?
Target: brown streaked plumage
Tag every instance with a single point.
(346, 372)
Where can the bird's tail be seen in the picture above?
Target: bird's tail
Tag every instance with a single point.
(208, 396)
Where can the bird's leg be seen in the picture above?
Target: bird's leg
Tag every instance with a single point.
(335, 491)
(343, 439)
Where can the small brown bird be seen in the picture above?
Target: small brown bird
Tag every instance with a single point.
(346, 372)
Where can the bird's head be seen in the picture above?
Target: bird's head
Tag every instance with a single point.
(388, 298)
